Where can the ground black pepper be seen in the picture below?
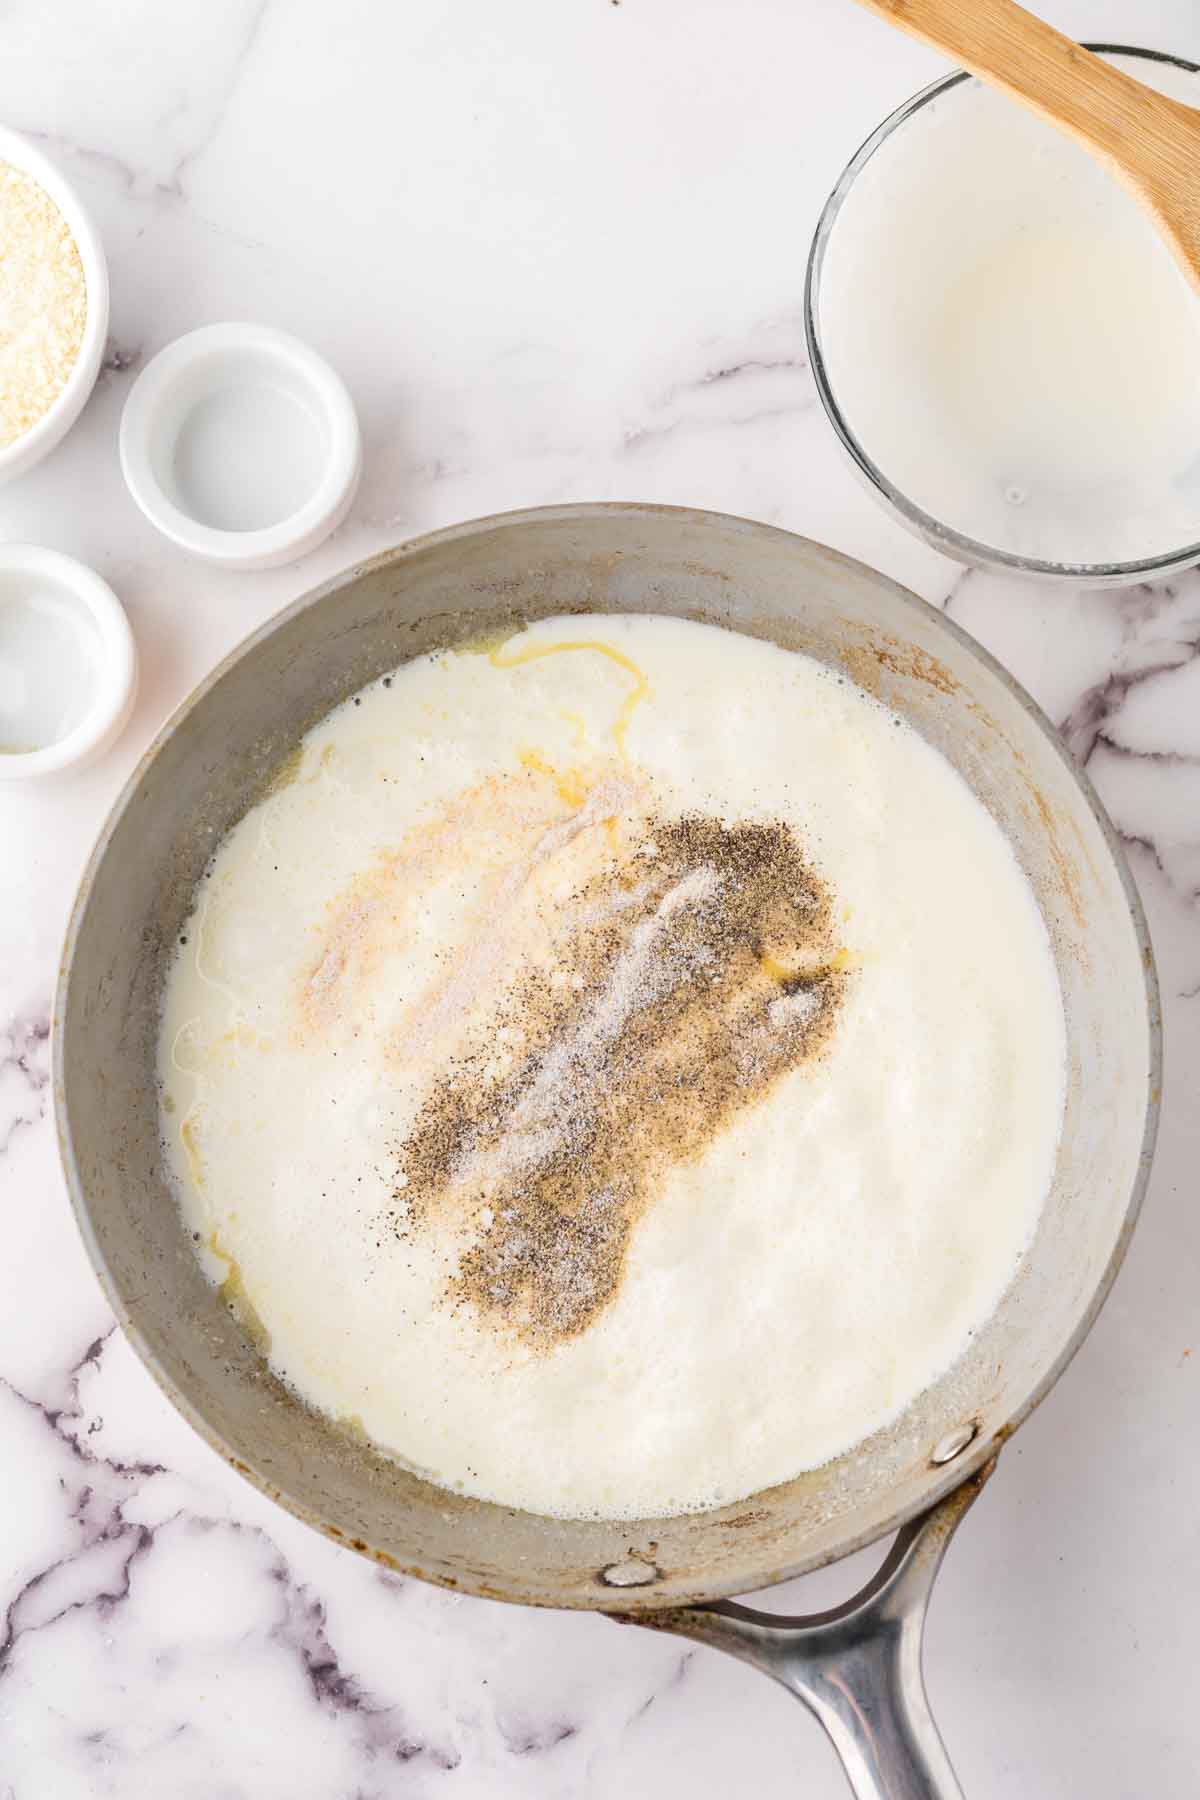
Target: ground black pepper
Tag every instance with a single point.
(692, 973)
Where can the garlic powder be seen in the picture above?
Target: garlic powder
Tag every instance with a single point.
(43, 302)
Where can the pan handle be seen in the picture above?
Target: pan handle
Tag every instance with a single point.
(858, 1667)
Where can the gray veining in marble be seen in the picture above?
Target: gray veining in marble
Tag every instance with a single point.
(557, 251)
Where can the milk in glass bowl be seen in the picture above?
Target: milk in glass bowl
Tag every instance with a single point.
(1005, 345)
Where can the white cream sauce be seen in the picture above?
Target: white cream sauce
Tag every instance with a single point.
(789, 1284)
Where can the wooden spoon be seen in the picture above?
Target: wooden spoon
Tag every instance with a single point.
(1150, 143)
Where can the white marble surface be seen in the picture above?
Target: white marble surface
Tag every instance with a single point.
(557, 249)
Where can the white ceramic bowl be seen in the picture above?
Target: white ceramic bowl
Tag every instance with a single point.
(68, 663)
(241, 445)
(52, 427)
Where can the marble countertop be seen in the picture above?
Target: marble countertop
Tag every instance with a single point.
(557, 250)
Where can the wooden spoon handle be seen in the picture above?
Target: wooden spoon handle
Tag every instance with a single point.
(1129, 126)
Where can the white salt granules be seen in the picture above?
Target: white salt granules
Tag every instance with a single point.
(43, 302)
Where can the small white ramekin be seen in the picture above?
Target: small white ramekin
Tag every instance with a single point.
(52, 427)
(48, 575)
(220, 374)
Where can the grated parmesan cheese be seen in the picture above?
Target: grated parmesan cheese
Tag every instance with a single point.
(43, 302)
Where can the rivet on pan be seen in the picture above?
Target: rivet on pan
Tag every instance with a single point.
(954, 1443)
(633, 1572)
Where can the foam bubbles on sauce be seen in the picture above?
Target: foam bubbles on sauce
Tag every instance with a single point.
(555, 1071)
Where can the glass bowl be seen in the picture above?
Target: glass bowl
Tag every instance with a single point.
(923, 114)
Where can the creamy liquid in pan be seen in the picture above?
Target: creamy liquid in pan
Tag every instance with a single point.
(615, 1069)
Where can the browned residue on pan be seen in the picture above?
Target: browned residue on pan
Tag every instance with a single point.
(864, 661)
(1064, 867)
(912, 664)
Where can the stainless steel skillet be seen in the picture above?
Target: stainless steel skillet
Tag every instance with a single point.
(858, 1669)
